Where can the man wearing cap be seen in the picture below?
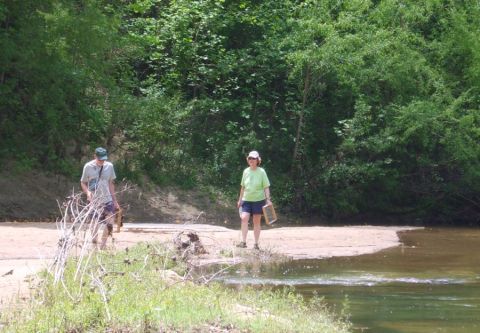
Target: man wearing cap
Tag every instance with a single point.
(254, 194)
(97, 183)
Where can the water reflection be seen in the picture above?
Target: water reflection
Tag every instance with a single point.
(429, 284)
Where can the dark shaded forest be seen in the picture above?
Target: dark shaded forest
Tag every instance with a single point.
(358, 108)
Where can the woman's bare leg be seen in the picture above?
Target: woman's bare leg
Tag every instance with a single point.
(245, 218)
(257, 227)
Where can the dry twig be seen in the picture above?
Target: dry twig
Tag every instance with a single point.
(78, 227)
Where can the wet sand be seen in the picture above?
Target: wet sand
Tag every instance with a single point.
(27, 247)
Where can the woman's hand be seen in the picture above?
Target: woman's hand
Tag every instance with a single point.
(240, 196)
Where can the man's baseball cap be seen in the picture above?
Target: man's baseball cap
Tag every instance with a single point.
(101, 153)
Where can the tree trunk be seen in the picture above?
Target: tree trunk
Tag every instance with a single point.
(298, 137)
(297, 169)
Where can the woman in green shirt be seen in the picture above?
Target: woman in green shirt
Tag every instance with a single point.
(254, 194)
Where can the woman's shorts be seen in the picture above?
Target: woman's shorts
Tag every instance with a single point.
(253, 207)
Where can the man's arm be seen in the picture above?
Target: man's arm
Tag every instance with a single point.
(85, 190)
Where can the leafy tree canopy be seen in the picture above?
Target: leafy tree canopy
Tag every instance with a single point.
(357, 107)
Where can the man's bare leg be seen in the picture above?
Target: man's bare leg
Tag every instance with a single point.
(94, 232)
(106, 231)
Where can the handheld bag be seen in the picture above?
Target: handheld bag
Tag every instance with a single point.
(269, 214)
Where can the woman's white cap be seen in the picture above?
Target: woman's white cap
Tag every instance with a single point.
(254, 154)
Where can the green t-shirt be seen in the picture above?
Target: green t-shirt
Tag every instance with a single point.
(254, 182)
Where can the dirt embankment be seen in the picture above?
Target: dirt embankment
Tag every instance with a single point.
(35, 196)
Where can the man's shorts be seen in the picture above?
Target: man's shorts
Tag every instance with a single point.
(253, 207)
(107, 210)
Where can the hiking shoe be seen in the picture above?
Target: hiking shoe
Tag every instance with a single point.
(255, 247)
(242, 245)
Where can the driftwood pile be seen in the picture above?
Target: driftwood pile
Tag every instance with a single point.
(188, 245)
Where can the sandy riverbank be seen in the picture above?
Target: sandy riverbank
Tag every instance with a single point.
(25, 248)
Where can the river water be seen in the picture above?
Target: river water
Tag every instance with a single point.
(431, 283)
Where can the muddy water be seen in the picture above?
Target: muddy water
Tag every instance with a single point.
(429, 284)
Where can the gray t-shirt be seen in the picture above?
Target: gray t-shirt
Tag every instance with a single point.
(99, 186)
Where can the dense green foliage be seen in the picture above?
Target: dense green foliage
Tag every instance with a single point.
(140, 291)
(358, 107)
